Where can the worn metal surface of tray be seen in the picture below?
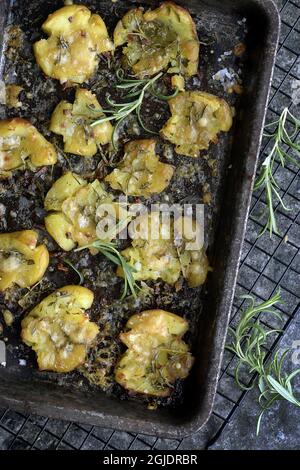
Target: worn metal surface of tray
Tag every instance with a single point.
(221, 25)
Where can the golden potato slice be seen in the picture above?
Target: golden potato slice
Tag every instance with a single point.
(60, 229)
(158, 39)
(22, 262)
(193, 260)
(141, 173)
(76, 38)
(64, 187)
(73, 123)
(59, 330)
(80, 212)
(156, 252)
(156, 356)
(21, 141)
(197, 118)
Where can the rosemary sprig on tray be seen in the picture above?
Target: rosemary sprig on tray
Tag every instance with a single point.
(282, 137)
(136, 90)
(249, 339)
(110, 251)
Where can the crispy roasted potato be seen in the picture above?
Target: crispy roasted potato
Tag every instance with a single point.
(197, 118)
(156, 356)
(157, 253)
(157, 39)
(22, 262)
(78, 211)
(140, 172)
(76, 39)
(59, 330)
(73, 123)
(151, 258)
(193, 259)
(20, 142)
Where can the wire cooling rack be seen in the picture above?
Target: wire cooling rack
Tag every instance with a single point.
(266, 265)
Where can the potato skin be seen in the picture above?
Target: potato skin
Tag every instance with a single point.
(197, 118)
(156, 356)
(72, 122)
(58, 329)
(140, 172)
(160, 35)
(76, 39)
(20, 140)
(17, 249)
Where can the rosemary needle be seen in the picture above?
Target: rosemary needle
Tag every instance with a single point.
(136, 89)
(80, 275)
(248, 344)
(109, 250)
(267, 179)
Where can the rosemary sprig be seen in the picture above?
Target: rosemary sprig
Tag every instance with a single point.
(266, 180)
(249, 339)
(80, 275)
(110, 251)
(136, 90)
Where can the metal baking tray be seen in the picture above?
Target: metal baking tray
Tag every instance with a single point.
(221, 25)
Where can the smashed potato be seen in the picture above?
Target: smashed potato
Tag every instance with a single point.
(141, 173)
(77, 214)
(76, 39)
(189, 243)
(59, 330)
(22, 262)
(73, 123)
(21, 142)
(163, 255)
(197, 118)
(158, 39)
(156, 356)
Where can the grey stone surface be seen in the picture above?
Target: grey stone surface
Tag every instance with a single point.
(280, 428)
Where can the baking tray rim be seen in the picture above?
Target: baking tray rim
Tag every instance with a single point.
(163, 429)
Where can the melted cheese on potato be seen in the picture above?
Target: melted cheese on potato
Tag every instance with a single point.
(73, 123)
(157, 39)
(156, 356)
(59, 330)
(22, 262)
(21, 142)
(140, 172)
(197, 118)
(76, 38)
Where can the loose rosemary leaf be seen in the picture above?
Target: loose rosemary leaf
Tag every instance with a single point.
(80, 275)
